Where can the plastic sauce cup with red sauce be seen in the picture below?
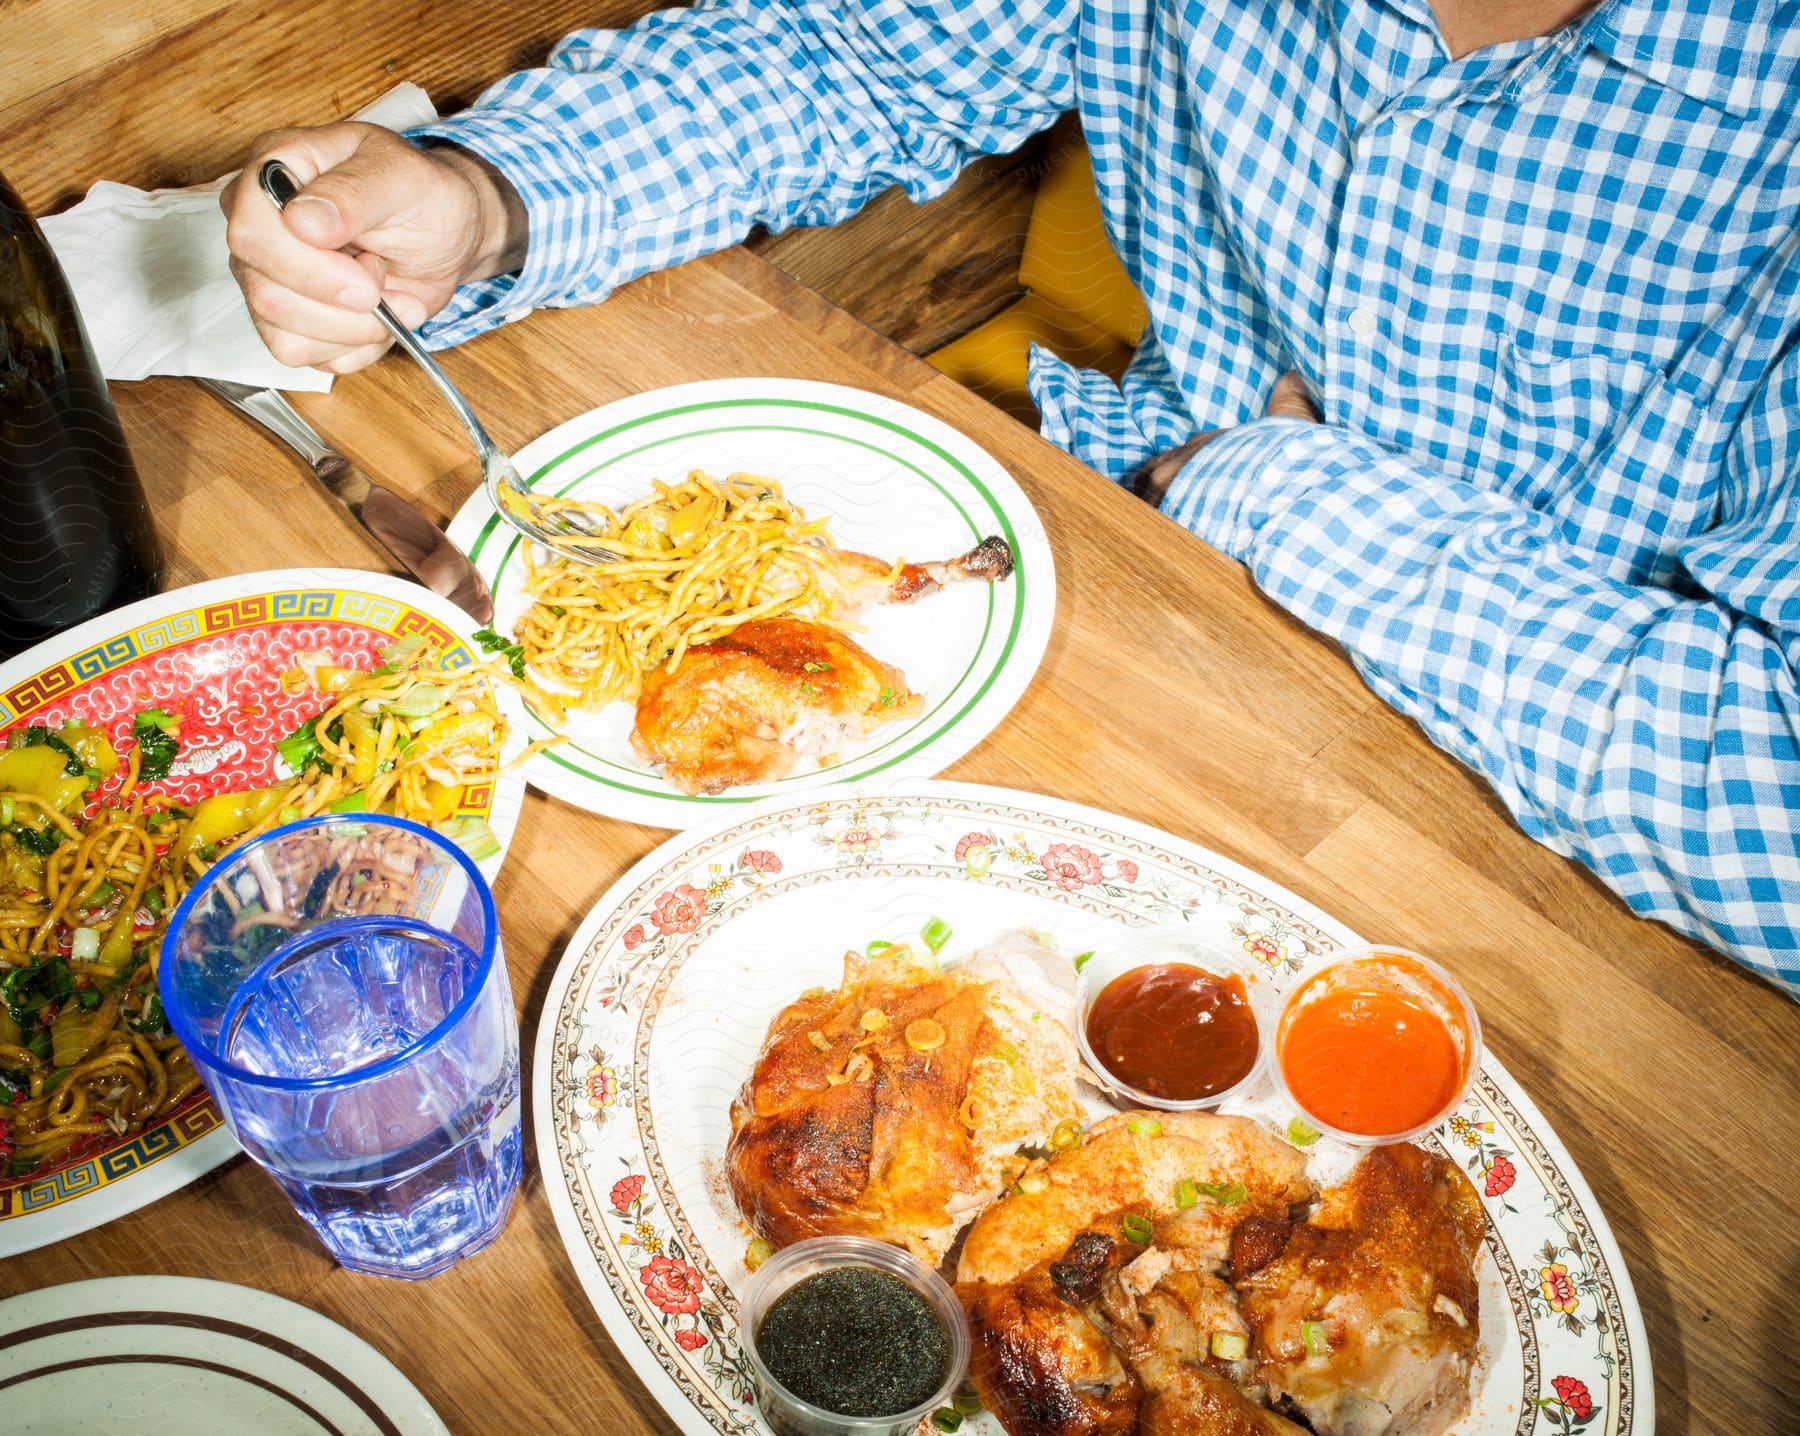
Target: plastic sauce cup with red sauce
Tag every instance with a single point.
(1379, 1045)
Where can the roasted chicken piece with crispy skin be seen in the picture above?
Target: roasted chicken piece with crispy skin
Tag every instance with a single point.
(1094, 1291)
(894, 1106)
(746, 707)
(1382, 1278)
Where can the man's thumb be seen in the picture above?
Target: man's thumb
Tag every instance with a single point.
(343, 199)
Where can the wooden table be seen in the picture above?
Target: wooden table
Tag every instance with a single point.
(1173, 693)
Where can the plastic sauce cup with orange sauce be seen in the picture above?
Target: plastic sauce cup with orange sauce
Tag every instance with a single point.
(1379, 1045)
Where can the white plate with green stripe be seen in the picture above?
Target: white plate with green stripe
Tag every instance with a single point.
(894, 482)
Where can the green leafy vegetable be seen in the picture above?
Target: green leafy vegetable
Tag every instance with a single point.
(887, 697)
(817, 667)
(513, 653)
(300, 749)
(157, 747)
(12, 991)
(1187, 1193)
(44, 738)
(1137, 1228)
(1082, 958)
(153, 1019)
(1313, 1334)
(1225, 1195)
(936, 933)
(55, 980)
(43, 842)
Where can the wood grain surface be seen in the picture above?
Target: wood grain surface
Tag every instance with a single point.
(171, 92)
(1172, 693)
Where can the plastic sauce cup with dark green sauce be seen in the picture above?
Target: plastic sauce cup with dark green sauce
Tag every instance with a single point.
(846, 1322)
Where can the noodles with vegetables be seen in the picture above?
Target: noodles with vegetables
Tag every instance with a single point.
(89, 877)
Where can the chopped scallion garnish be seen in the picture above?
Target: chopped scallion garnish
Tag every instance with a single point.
(1301, 1132)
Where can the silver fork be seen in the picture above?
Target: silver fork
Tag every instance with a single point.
(505, 490)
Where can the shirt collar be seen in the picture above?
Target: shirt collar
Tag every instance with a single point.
(1740, 56)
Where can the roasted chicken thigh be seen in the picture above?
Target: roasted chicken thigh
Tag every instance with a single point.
(1382, 1281)
(894, 1106)
(1094, 1288)
(1162, 1278)
(746, 707)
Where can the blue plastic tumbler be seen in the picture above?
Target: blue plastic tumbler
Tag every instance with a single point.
(340, 985)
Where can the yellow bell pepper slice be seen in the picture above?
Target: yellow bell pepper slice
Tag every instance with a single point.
(42, 772)
(93, 747)
(222, 816)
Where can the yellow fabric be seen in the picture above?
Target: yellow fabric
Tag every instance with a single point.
(1067, 257)
(991, 358)
(1080, 303)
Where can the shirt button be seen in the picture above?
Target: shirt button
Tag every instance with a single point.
(1362, 323)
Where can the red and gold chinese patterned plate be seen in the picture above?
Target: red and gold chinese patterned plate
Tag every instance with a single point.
(661, 1000)
(213, 655)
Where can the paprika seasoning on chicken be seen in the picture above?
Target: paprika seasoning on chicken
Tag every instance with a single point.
(1174, 1031)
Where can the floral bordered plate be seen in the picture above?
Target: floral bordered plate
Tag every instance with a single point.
(213, 654)
(661, 1000)
(893, 481)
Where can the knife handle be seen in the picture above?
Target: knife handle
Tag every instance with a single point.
(276, 415)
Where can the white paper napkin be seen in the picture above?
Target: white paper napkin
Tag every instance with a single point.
(149, 270)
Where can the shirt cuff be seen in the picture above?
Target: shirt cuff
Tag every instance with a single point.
(572, 231)
(1228, 490)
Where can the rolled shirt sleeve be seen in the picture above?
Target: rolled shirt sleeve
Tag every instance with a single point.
(1653, 736)
(636, 149)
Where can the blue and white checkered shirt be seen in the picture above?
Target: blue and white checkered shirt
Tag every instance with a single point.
(1547, 297)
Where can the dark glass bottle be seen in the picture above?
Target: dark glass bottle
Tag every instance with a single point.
(76, 536)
